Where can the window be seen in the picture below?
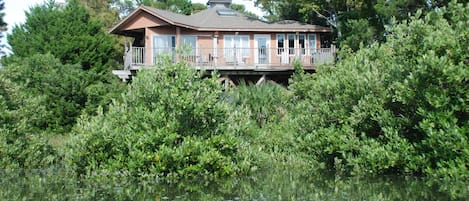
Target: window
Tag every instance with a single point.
(163, 45)
(189, 42)
(280, 44)
(226, 12)
(236, 48)
(291, 44)
(312, 43)
(302, 42)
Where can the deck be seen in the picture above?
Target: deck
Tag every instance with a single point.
(231, 61)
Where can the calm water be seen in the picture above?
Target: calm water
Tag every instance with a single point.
(56, 184)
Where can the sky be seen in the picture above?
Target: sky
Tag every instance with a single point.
(14, 10)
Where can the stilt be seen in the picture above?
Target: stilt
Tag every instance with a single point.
(261, 80)
(226, 82)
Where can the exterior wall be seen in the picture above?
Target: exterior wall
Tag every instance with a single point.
(205, 50)
(142, 21)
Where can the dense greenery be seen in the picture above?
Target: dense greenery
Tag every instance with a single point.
(60, 88)
(20, 146)
(358, 22)
(3, 25)
(69, 33)
(170, 122)
(295, 184)
(43, 91)
(397, 107)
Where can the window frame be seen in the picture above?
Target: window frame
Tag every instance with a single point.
(168, 37)
(312, 50)
(280, 50)
(302, 50)
(291, 50)
(193, 52)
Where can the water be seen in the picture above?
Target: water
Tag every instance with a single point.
(57, 184)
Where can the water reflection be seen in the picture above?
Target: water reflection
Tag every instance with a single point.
(58, 184)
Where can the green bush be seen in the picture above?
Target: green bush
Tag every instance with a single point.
(171, 123)
(60, 88)
(266, 102)
(20, 146)
(401, 106)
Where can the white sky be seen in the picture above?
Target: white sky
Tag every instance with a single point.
(14, 10)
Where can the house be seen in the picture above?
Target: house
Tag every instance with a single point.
(221, 39)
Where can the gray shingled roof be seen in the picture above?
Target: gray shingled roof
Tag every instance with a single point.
(210, 20)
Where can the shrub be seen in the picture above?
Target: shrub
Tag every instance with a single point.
(60, 88)
(20, 146)
(266, 102)
(401, 106)
(170, 123)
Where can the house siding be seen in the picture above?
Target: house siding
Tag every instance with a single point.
(142, 21)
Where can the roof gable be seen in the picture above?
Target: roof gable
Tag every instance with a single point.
(209, 20)
(143, 20)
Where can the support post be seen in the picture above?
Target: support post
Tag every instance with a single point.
(261, 80)
(178, 42)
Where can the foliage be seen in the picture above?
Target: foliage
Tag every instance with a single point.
(296, 184)
(102, 10)
(197, 7)
(178, 6)
(401, 106)
(3, 25)
(68, 33)
(19, 146)
(266, 102)
(242, 9)
(170, 123)
(371, 16)
(59, 88)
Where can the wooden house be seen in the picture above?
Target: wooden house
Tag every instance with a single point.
(221, 39)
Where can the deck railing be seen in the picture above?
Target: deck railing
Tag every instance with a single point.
(238, 57)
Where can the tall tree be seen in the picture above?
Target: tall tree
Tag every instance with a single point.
(177, 6)
(69, 33)
(355, 21)
(242, 9)
(3, 24)
(197, 7)
(103, 10)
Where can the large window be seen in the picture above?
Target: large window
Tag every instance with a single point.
(163, 45)
(302, 43)
(189, 42)
(236, 48)
(312, 43)
(291, 44)
(280, 44)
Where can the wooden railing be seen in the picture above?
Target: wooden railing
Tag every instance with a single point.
(238, 57)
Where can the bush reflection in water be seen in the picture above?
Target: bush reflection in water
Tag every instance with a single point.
(57, 184)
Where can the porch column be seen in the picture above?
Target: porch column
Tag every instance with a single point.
(215, 48)
(297, 45)
(178, 41)
(148, 47)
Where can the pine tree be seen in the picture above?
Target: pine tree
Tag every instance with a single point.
(3, 25)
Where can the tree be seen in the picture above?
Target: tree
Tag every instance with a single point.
(60, 88)
(102, 10)
(197, 7)
(170, 123)
(3, 25)
(242, 9)
(73, 37)
(68, 33)
(396, 107)
(177, 6)
(349, 18)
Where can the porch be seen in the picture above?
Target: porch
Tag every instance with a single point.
(227, 59)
